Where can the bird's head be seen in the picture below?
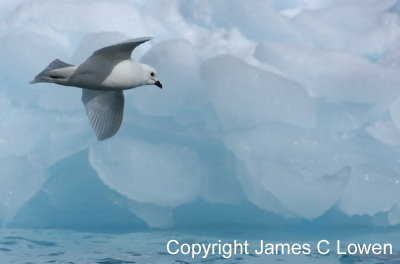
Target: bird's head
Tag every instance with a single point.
(150, 76)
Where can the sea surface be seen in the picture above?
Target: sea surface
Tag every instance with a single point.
(64, 246)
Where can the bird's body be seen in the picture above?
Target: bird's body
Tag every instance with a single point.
(113, 75)
(103, 77)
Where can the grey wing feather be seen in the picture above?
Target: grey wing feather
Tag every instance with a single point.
(121, 50)
(105, 111)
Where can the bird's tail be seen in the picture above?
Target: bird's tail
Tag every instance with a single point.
(53, 72)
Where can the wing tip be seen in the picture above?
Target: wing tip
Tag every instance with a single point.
(141, 39)
(104, 137)
(136, 42)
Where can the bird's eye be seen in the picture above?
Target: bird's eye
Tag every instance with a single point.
(152, 74)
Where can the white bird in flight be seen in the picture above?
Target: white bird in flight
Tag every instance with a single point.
(103, 77)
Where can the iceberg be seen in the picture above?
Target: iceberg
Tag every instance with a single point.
(73, 197)
(295, 166)
(335, 75)
(244, 96)
(21, 179)
(272, 113)
(164, 174)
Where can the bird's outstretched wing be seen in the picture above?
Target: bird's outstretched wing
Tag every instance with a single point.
(105, 110)
(120, 51)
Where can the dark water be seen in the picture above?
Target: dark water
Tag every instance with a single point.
(55, 246)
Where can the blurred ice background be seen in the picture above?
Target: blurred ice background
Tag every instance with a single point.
(273, 113)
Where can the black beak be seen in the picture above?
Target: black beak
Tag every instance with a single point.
(158, 84)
